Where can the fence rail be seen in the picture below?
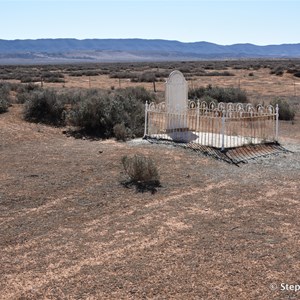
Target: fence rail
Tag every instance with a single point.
(222, 125)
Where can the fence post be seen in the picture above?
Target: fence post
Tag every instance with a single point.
(146, 119)
(223, 130)
(277, 121)
(198, 115)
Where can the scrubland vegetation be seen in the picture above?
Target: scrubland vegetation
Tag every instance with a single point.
(119, 112)
(69, 228)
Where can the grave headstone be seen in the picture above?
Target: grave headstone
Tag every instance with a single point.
(176, 99)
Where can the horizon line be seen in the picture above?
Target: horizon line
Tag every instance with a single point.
(150, 39)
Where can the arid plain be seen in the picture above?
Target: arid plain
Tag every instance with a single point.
(213, 230)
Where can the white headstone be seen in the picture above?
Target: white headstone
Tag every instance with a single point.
(176, 99)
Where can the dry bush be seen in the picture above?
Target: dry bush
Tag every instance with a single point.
(142, 172)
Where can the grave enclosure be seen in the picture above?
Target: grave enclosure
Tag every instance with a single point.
(221, 125)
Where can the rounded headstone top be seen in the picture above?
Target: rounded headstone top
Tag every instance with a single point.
(176, 77)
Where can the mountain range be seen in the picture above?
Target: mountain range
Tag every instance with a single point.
(110, 50)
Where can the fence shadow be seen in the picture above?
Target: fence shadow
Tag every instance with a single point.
(235, 155)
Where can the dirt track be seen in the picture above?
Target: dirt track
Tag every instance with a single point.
(70, 230)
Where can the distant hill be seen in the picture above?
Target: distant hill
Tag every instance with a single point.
(70, 50)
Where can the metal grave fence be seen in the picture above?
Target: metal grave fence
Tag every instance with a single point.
(222, 125)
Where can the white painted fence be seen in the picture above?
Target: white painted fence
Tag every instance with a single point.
(222, 125)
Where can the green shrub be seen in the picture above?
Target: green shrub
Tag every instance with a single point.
(29, 79)
(292, 70)
(123, 75)
(141, 170)
(24, 92)
(3, 105)
(216, 73)
(4, 97)
(45, 107)
(120, 132)
(92, 113)
(147, 77)
(21, 98)
(279, 70)
(97, 112)
(130, 111)
(139, 93)
(219, 94)
(52, 77)
(285, 111)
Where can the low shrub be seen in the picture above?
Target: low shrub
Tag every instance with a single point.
(216, 73)
(21, 98)
(92, 113)
(141, 171)
(286, 112)
(292, 70)
(139, 93)
(44, 106)
(24, 92)
(4, 98)
(29, 79)
(97, 112)
(123, 75)
(3, 105)
(219, 94)
(147, 77)
(279, 70)
(120, 132)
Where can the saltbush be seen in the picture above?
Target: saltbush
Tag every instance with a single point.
(97, 112)
(278, 70)
(219, 94)
(120, 132)
(4, 98)
(286, 112)
(92, 113)
(139, 93)
(44, 107)
(3, 105)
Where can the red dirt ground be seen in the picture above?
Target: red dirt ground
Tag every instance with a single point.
(70, 230)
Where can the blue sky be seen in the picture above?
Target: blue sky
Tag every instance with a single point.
(224, 22)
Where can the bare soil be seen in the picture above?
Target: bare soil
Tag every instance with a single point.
(71, 230)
